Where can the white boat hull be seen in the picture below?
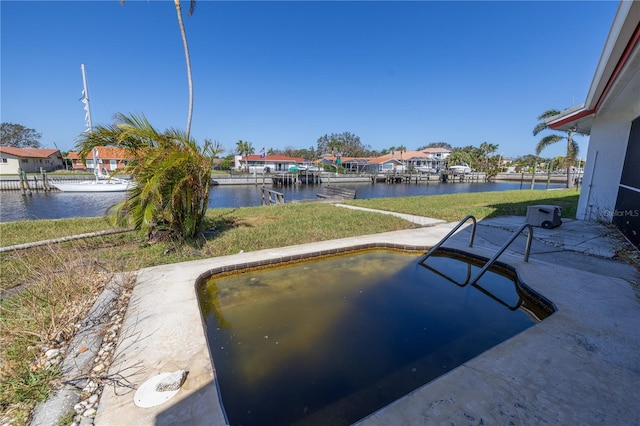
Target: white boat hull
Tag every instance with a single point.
(460, 169)
(100, 186)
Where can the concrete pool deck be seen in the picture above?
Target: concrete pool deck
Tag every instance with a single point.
(579, 366)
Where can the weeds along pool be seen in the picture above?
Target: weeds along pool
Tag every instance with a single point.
(332, 340)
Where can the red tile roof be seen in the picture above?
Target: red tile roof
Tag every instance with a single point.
(106, 153)
(29, 152)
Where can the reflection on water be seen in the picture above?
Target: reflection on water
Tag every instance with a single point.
(59, 205)
(330, 341)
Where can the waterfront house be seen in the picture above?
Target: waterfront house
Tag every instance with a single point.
(611, 116)
(30, 160)
(437, 156)
(384, 165)
(108, 158)
(266, 164)
(428, 160)
(355, 164)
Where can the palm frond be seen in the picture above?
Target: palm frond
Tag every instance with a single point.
(546, 141)
(548, 113)
(542, 125)
(172, 174)
(539, 128)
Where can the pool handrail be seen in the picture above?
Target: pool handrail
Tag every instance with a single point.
(504, 247)
(446, 237)
(475, 285)
(448, 278)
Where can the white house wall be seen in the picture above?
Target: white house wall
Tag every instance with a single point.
(9, 164)
(603, 169)
(27, 164)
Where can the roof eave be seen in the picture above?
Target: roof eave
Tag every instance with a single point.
(577, 119)
(619, 47)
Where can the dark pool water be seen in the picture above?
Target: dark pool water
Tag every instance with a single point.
(329, 341)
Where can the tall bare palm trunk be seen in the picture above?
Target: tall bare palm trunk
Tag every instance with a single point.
(188, 60)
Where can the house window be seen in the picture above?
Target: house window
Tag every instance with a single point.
(4, 160)
(25, 160)
(113, 164)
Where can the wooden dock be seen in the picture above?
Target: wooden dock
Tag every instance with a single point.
(29, 185)
(290, 179)
(337, 193)
(450, 176)
(270, 197)
(444, 176)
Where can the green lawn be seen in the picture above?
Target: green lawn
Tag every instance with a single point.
(454, 207)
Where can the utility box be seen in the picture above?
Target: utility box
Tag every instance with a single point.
(544, 216)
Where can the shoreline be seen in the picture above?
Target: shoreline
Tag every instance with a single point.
(12, 183)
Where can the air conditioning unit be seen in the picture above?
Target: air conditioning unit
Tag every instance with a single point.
(544, 216)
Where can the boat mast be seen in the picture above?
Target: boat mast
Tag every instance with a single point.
(85, 99)
(87, 118)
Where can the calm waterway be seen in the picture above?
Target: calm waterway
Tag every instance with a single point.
(59, 205)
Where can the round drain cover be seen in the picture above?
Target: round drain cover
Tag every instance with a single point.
(147, 396)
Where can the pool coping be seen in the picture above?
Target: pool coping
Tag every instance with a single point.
(588, 371)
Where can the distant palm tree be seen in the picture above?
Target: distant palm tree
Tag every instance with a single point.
(183, 33)
(572, 146)
(172, 176)
(245, 148)
(482, 159)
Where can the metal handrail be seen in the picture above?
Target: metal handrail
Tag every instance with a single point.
(504, 247)
(476, 285)
(446, 237)
(448, 278)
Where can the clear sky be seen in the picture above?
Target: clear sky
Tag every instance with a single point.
(283, 74)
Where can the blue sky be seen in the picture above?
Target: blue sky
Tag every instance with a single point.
(283, 74)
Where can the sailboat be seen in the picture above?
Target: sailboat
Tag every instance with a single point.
(102, 182)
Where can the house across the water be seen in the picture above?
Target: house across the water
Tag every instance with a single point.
(267, 164)
(30, 160)
(108, 159)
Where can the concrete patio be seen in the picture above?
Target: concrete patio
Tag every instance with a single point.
(579, 366)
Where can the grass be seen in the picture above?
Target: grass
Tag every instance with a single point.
(57, 284)
(43, 315)
(454, 207)
(27, 231)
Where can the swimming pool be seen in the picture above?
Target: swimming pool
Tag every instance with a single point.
(331, 340)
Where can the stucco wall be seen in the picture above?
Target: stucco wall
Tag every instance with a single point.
(29, 165)
(11, 165)
(605, 158)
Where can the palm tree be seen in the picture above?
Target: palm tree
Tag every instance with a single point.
(183, 33)
(245, 148)
(172, 176)
(572, 146)
(486, 148)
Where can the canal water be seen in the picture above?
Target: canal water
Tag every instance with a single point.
(59, 205)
